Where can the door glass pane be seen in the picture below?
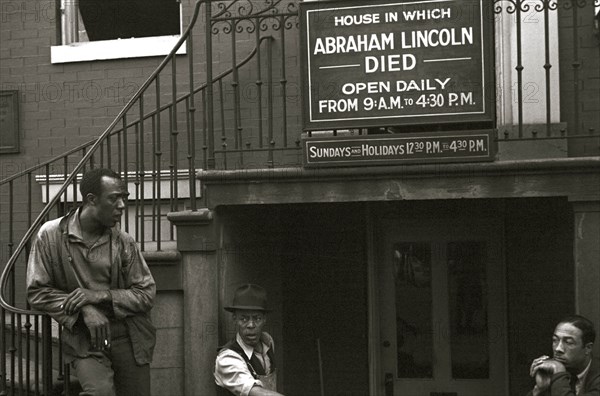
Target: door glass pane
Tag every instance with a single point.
(469, 339)
(412, 270)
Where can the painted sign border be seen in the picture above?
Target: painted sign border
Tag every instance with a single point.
(9, 133)
(486, 114)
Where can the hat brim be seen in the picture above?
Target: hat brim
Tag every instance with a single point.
(234, 308)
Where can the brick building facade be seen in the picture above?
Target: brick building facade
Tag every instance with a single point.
(324, 241)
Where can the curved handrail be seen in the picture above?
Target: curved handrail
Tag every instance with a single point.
(124, 110)
(132, 123)
(4, 278)
(95, 143)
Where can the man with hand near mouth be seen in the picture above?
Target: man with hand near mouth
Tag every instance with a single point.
(572, 371)
(92, 278)
(245, 366)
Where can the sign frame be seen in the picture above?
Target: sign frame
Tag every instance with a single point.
(9, 122)
(344, 145)
(485, 115)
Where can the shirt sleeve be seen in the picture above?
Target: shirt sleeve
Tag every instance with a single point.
(231, 373)
(139, 290)
(42, 293)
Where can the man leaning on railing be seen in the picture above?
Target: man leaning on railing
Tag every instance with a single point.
(92, 278)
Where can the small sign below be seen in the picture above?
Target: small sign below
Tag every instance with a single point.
(464, 146)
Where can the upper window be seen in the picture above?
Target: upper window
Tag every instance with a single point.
(110, 29)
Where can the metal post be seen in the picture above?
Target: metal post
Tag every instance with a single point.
(209, 87)
(47, 354)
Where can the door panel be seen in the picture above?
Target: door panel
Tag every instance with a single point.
(444, 285)
(467, 300)
(414, 299)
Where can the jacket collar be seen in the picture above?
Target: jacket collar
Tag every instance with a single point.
(72, 228)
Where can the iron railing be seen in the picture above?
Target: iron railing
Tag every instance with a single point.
(244, 113)
(144, 143)
(576, 20)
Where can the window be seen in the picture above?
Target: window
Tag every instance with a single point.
(110, 29)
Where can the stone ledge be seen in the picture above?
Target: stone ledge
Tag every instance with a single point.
(194, 230)
(191, 217)
(270, 175)
(165, 266)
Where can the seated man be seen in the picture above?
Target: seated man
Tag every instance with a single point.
(245, 366)
(571, 371)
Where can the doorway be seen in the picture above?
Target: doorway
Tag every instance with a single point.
(441, 302)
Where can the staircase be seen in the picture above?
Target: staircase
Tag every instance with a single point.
(164, 134)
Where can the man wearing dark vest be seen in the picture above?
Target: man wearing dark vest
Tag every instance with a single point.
(245, 366)
(572, 371)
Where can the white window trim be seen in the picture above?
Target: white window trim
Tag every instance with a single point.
(54, 183)
(84, 51)
(115, 49)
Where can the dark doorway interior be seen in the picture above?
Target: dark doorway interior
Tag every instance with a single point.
(324, 301)
(540, 279)
(313, 260)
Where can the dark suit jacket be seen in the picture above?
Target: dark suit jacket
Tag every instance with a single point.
(559, 385)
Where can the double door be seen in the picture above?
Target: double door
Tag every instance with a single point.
(441, 309)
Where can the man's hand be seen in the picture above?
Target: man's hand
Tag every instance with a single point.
(81, 297)
(545, 364)
(98, 325)
(542, 369)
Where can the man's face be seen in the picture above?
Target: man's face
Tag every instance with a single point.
(568, 347)
(249, 325)
(110, 204)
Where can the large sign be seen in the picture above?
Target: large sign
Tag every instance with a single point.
(399, 148)
(380, 63)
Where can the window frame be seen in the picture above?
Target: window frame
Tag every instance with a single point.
(105, 49)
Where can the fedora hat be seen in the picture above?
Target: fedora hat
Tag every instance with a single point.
(249, 297)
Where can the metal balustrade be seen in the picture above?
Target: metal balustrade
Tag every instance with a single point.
(157, 142)
(243, 113)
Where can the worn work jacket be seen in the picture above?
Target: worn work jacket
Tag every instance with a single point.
(53, 273)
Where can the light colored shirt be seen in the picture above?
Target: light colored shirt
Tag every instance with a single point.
(231, 370)
(581, 378)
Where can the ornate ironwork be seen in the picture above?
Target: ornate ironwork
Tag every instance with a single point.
(247, 17)
(242, 9)
(511, 6)
(546, 5)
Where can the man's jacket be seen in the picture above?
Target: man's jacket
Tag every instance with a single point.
(52, 274)
(559, 385)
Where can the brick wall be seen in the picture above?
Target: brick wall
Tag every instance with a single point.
(66, 105)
